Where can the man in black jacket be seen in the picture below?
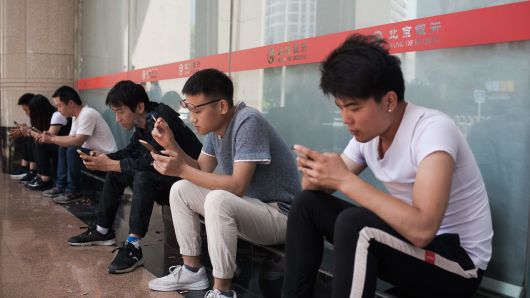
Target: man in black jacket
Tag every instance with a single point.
(132, 166)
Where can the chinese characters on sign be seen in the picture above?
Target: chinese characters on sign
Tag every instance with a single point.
(188, 68)
(287, 53)
(412, 35)
(149, 74)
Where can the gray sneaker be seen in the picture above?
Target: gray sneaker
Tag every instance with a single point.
(52, 193)
(68, 198)
(180, 278)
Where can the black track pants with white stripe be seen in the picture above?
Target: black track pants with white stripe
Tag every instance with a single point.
(366, 248)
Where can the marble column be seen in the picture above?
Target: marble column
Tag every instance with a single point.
(37, 51)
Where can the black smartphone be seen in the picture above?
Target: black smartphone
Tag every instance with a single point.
(149, 147)
(36, 129)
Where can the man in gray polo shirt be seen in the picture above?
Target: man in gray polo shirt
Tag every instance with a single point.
(248, 196)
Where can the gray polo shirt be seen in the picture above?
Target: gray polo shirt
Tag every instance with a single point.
(250, 138)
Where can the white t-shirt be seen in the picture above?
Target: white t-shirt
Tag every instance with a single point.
(58, 119)
(89, 122)
(422, 132)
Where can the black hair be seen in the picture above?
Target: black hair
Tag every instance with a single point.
(360, 68)
(127, 93)
(40, 112)
(212, 83)
(67, 93)
(25, 99)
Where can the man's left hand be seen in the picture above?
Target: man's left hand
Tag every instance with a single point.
(326, 170)
(100, 162)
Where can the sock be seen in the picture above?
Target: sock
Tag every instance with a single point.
(134, 241)
(102, 230)
(227, 294)
(192, 269)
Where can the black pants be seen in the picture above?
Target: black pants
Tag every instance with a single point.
(381, 253)
(28, 148)
(46, 156)
(147, 186)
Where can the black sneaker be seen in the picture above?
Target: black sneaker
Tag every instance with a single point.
(28, 177)
(128, 258)
(39, 184)
(92, 237)
(18, 173)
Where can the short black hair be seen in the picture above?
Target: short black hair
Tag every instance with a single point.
(212, 83)
(127, 93)
(360, 68)
(40, 112)
(67, 93)
(25, 99)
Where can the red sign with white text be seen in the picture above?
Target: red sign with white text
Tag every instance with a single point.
(503, 23)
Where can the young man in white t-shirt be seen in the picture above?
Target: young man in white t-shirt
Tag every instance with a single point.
(430, 235)
(89, 132)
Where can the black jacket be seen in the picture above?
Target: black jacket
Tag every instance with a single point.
(135, 157)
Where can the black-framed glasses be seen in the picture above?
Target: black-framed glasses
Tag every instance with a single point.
(193, 107)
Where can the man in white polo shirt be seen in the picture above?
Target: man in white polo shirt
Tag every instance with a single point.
(89, 132)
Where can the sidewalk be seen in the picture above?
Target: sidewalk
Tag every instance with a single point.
(36, 261)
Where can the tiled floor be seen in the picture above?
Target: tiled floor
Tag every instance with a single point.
(36, 261)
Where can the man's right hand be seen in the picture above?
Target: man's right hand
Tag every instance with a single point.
(45, 137)
(163, 134)
(14, 133)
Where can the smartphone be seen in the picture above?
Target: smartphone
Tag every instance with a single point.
(149, 147)
(36, 129)
(82, 152)
(300, 154)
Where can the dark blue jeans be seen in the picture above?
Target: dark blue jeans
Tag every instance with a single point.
(62, 169)
(69, 159)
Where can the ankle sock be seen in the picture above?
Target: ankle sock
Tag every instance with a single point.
(134, 241)
(102, 230)
(192, 269)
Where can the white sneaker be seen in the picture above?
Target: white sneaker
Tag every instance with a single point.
(215, 293)
(180, 278)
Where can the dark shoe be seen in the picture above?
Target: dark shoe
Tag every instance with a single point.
(92, 237)
(18, 173)
(39, 184)
(128, 258)
(54, 192)
(68, 198)
(28, 177)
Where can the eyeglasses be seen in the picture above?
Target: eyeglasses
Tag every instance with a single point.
(192, 107)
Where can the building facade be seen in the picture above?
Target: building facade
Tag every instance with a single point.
(469, 59)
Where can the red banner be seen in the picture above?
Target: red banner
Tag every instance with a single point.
(503, 23)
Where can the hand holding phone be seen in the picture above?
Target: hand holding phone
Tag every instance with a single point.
(82, 153)
(149, 147)
(300, 154)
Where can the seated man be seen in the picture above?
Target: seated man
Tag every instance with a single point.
(249, 195)
(28, 167)
(430, 235)
(45, 117)
(89, 131)
(132, 166)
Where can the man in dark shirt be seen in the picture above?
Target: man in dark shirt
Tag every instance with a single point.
(132, 166)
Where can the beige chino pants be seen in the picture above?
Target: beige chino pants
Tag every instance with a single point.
(226, 216)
